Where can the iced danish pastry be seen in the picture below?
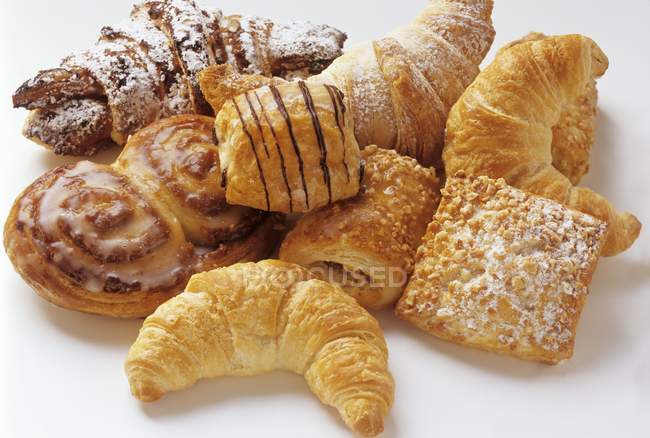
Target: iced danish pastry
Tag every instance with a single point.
(367, 244)
(119, 240)
(288, 148)
(503, 270)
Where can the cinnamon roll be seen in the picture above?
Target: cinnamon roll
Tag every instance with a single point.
(119, 240)
(180, 158)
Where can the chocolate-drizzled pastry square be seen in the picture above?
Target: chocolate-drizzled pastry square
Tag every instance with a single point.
(288, 148)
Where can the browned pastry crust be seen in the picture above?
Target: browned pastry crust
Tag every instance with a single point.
(77, 127)
(574, 134)
(503, 126)
(399, 89)
(367, 244)
(288, 148)
(178, 157)
(146, 68)
(504, 271)
(250, 319)
(221, 83)
(119, 240)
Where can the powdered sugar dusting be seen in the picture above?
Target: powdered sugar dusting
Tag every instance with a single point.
(130, 89)
(71, 124)
(147, 67)
(446, 42)
(300, 39)
(504, 270)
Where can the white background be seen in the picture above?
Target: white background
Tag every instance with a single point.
(62, 371)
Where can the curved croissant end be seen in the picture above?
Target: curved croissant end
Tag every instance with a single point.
(514, 120)
(400, 88)
(254, 318)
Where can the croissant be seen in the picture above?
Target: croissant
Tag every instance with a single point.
(250, 319)
(146, 68)
(400, 89)
(367, 244)
(574, 133)
(119, 240)
(503, 126)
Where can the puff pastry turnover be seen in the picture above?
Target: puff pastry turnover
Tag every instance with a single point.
(367, 244)
(288, 148)
(250, 319)
(504, 271)
(512, 123)
(119, 240)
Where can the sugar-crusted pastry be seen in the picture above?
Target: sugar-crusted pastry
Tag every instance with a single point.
(119, 240)
(250, 319)
(288, 148)
(146, 68)
(367, 244)
(503, 270)
(399, 89)
(513, 119)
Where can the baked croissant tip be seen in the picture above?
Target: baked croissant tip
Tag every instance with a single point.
(632, 231)
(365, 418)
(143, 386)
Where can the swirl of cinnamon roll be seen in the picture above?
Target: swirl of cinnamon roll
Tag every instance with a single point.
(119, 240)
(179, 156)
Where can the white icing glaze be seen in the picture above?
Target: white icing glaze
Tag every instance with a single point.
(134, 247)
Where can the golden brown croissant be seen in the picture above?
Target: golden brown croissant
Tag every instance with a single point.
(503, 126)
(250, 319)
(119, 240)
(367, 244)
(574, 133)
(400, 88)
(504, 271)
(146, 68)
(288, 148)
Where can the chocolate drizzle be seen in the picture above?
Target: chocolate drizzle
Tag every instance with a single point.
(258, 124)
(216, 43)
(224, 178)
(257, 158)
(309, 102)
(283, 111)
(277, 146)
(337, 99)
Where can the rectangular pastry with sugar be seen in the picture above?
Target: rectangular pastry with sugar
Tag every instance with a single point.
(504, 271)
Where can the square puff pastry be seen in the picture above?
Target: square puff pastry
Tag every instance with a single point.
(503, 270)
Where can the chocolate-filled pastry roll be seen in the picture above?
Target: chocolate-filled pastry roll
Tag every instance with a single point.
(120, 240)
(367, 244)
(288, 148)
(146, 68)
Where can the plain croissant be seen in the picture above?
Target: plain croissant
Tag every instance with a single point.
(512, 121)
(400, 88)
(250, 319)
